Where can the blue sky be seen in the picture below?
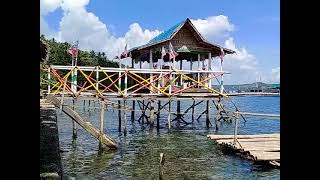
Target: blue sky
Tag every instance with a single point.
(256, 24)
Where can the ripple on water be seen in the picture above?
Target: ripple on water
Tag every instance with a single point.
(188, 153)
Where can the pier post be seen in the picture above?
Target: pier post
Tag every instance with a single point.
(101, 124)
(133, 110)
(143, 111)
(178, 110)
(151, 113)
(236, 128)
(74, 125)
(125, 118)
(158, 115)
(193, 110)
(169, 115)
(119, 115)
(208, 114)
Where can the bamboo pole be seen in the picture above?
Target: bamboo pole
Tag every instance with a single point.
(125, 118)
(101, 124)
(119, 115)
(158, 115)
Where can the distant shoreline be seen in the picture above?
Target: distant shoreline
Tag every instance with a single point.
(253, 94)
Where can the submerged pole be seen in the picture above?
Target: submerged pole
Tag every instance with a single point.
(125, 118)
(133, 110)
(74, 125)
(160, 166)
(101, 124)
(178, 110)
(158, 115)
(151, 114)
(119, 115)
(193, 110)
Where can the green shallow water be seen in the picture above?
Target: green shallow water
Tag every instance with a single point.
(188, 152)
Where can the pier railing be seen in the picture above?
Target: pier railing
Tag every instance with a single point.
(96, 80)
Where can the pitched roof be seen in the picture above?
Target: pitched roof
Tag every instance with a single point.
(168, 35)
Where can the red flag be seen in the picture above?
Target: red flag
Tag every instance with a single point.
(73, 50)
(163, 52)
(124, 54)
(172, 53)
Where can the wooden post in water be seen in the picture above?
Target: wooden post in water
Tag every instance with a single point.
(119, 115)
(236, 128)
(62, 97)
(151, 113)
(160, 166)
(158, 115)
(74, 125)
(193, 110)
(125, 118)
(133, 110)
(84, 104)
(208, 114)
(143, 111)
(178, 110)
(101, 124)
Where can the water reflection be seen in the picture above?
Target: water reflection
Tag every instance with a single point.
(188, 153)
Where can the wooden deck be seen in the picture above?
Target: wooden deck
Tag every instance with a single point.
(261, 147)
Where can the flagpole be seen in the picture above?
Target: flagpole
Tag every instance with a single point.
(119, 81)
(221, 85)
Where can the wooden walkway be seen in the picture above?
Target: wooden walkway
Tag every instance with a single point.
(261, 147)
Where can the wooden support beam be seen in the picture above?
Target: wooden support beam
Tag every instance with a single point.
(119, 115)
(109, 142)
(133, 110)
(208, 114)
(101, 123)
(151, 114)
(158, 115)
(125, 118)
(74, 125)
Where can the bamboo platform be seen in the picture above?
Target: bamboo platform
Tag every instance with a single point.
(261, 147)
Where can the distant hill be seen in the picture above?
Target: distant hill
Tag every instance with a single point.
(259, 86)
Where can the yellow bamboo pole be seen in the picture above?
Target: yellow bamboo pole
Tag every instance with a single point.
(85, 76)
(112, 81)
(149, 83)
(200, 83)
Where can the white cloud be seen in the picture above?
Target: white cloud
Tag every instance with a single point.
(213, 26)
(275, 75)
(79, 24)
(242, 65)
(47, 6)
